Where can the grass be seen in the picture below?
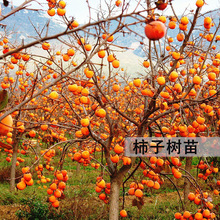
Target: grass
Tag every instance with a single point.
(82, 202)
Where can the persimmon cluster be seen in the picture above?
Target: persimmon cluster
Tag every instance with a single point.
(206, 170)
(56, 189)
(84, 157)
(204, 213)
(60, 7)
(103, 188)
(26, 180)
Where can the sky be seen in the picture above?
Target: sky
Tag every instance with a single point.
(79, 8)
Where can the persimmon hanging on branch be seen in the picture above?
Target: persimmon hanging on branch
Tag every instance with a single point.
(161, 4)
(155, 30)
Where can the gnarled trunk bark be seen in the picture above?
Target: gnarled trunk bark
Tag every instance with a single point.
(77, 169)
(116, 182)
(114, 199)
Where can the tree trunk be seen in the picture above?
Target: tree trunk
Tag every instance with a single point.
(114, 199)
(13, 165)
(187, 184)
(77, 169)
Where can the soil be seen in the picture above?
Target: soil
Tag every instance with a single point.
(7, 212)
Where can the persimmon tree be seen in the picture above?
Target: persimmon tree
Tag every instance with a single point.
(81, 98)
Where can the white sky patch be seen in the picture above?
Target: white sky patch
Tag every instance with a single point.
(134, 45)
(22, 37)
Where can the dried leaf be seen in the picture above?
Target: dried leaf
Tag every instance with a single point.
(134, 202)
(139, 205)
(217, 207)
(141, 201)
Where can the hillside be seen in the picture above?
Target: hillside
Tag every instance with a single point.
(26, 24)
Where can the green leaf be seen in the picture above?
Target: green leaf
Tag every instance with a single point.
(3, 99)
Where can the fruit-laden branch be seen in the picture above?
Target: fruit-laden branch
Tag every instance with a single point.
(67, 32)
(77, 116)
(87, 59)
(210, 45)
(106, 150)
(163, 174)
(168, 112)
(59, 143)
(132, 173)
(152, 103)
(7, 146)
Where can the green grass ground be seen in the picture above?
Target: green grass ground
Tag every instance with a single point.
(82, 202)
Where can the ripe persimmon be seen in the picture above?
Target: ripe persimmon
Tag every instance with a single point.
(160, 162)
(27, 176)
(198, 216)
(197, 80)
(100, 113)
(199, 3)
(186, 214)
(184, 20)
(6, 125)
(172, 24)
(177, 215)
(85, 154)
(137, 82)
(85, 122)
(115, 158)
(118, 149)
(102, 196)
(177, 174)
(56, 204)
(101, 53)
(21, 185)
(57, 193)
(156, 185)
(180, 37)
(51, 12)
(212, 76)
(101, 184)
(155, 30)
(162, 19)
(123, 213)
(61, 11)
(118, 3)
(115, 63)
(53, 95)
(73, 24)
(216, 192)
(46, 46)
(88, 47)
(146, 63)
(138, 193)
(191, 196)
(62, 185)
(111, 58)
(32, 133)
(153, 160)
(131, 191)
